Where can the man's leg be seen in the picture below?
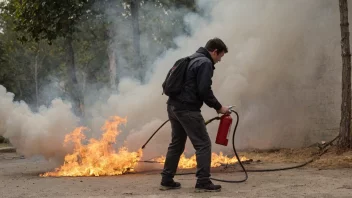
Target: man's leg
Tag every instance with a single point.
(193, 123)
(175, 149)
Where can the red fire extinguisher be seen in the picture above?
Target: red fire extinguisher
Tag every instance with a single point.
(224, 129)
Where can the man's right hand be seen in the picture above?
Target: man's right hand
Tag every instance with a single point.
(223, 110)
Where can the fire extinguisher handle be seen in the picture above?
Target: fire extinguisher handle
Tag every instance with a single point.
(230, 107)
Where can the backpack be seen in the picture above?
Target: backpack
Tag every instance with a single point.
(175, 79)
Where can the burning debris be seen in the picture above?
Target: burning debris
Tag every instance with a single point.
(99, 158)
(217, 160)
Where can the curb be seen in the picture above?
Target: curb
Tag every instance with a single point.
(8, 150)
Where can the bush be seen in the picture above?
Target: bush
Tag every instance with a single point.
(3, 140)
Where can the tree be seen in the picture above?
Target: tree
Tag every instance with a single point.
(345, 124)
(47, 20)
(91, 48)
(22, 71)
(38, 61)
(102, 45)
(111, 31)
(151, 22)
(138, 66)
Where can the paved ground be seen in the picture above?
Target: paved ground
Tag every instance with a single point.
(19, 178)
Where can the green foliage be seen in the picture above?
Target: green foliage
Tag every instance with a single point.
(42, 19)
(93, 25)
(167, 19)
(17, 69)
(3, 141)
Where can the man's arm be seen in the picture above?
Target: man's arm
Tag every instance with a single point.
(204, 82)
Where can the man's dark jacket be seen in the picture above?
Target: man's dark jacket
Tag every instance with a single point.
(198, 83)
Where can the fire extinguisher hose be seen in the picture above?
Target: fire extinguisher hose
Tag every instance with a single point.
(233, 146)
(234, 150)
(238, 159)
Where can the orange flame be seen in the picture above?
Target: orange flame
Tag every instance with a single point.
(98, 158)
(217, 160)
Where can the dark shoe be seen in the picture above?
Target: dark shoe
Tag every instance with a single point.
(207, 187)
(169, 185)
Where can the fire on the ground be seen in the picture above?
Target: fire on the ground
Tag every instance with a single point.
(99, 158)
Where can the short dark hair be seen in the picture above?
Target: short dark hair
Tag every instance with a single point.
(216, 43)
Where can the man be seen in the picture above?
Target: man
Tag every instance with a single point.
(186, 118)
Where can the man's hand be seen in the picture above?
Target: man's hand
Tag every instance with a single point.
(223, 110)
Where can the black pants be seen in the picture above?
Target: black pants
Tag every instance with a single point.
(187, 123)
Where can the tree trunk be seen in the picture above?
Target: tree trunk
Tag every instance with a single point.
(136, 39)
(37, 65)
(20, 88)
(112, 58)
(36, 78)
(73, 86)
(112, 67)
(345, 124)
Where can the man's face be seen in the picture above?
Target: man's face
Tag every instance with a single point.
(217, 57)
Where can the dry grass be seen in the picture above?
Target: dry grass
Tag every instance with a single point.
(332, 160)
(329, 160)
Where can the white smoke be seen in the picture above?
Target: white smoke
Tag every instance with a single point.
(276, 73)
(39, 133)
(282, 72)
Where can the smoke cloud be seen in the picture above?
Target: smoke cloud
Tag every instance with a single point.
(282, 73)
(39, 133)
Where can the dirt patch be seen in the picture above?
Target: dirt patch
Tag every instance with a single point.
(19, 177)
